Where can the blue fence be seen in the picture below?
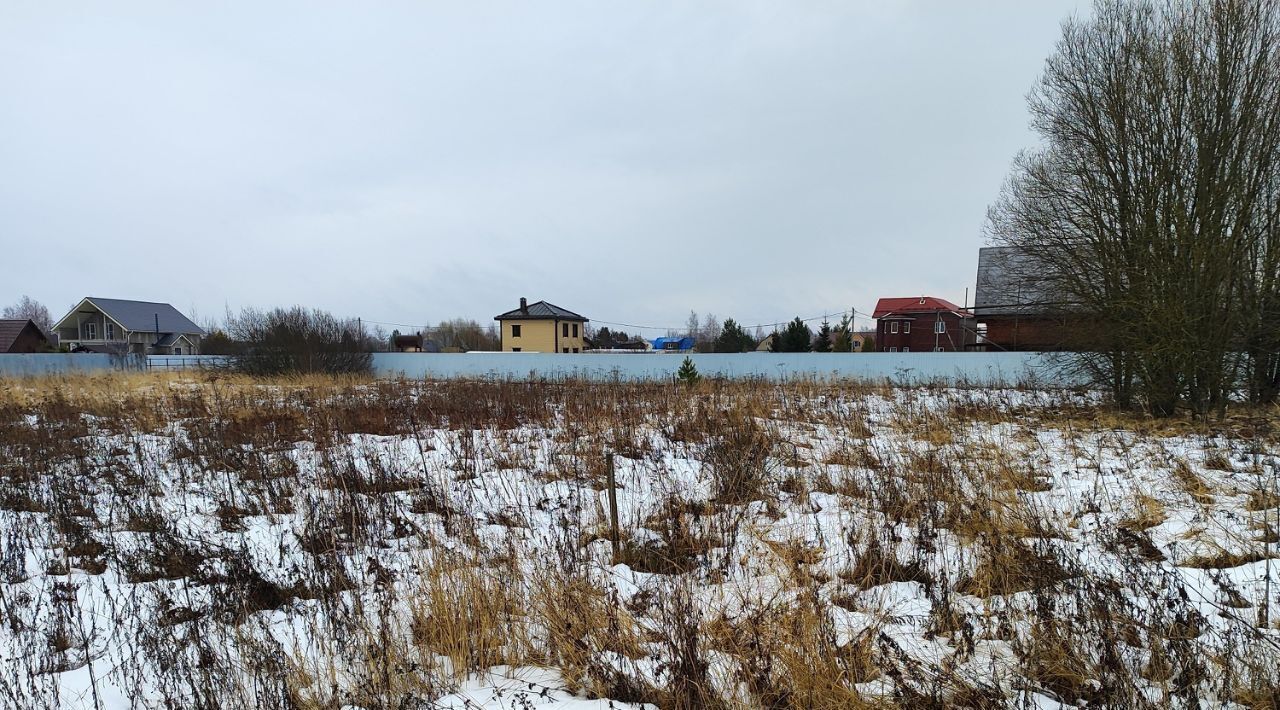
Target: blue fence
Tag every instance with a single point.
(30, 365)
(184, 362)
(989, 369)
(907, 368)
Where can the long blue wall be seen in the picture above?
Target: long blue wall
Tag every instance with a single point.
(974, 368)
(907, 368)
(30, 365)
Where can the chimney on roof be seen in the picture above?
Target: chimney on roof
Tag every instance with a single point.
(524, 305)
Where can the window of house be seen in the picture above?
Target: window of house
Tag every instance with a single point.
(906, 327)
(893, 350)
(564, 329)
(906, 349)
(90, 331)
(940, 327)
(111, 331)
(515, 350)
(575, 332)
(177, 351)
(575, 349)
(893, 327)
(515, 330)
(564, 350)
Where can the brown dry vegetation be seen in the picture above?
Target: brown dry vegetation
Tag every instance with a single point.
(321, 543)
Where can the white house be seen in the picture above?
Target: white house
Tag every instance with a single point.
(110, 325)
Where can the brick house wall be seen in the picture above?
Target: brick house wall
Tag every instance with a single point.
(1031, 333)
(915, 332)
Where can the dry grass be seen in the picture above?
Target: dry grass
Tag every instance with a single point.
(1147, 513)
(1191, 482)
(417, 533)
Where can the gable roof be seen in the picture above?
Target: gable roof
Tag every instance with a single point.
(171, 339)
(1011, 282)
(10, 330)
(918, 304)
(540, 311)
(141, 316)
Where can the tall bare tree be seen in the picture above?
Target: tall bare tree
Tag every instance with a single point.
(1151, 209)
(29, 308)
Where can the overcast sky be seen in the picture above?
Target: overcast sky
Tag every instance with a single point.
(411, 162)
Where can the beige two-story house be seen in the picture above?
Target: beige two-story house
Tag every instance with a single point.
(542, 328)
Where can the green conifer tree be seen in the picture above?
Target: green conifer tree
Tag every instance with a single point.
(823, 342)
(796, 338)
(843, 341)
(688, 372)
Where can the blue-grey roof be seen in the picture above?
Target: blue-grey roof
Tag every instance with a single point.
(142, 316)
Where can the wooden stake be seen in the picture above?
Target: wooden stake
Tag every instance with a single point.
(613, 507)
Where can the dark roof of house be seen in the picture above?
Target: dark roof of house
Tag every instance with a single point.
(888, 307)
(1010, 282)
(11, 329)
(540, 311)
(141, 316)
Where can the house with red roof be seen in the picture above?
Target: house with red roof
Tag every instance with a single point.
(922, 324)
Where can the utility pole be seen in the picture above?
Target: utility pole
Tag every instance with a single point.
(853, 318)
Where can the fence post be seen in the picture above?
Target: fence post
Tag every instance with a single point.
(613, 505)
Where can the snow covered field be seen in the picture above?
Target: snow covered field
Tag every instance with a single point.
(180, 543)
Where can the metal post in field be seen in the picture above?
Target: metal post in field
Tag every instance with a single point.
(613, 505)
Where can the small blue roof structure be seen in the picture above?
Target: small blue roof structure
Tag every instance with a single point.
(684, 344)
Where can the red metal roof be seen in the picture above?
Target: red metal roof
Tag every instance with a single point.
(916, 304)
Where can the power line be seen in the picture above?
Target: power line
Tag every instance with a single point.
(853, 313)
(399, 325)
(744, 327)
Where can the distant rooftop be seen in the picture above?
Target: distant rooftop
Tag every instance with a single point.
(1011, 282)
(11, 329)
(539, 311)
(915, 304)
(144, 316)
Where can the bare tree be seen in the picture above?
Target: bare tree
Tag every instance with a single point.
(707, 334)
(29, 308)
(297, 340)
(1261, 307)
(1151, 210)
(466, 334)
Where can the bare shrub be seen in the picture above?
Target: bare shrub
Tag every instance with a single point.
(298, 341)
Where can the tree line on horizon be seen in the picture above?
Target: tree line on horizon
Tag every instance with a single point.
(710, 335)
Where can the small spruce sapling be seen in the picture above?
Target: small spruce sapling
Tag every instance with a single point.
(688, 372)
